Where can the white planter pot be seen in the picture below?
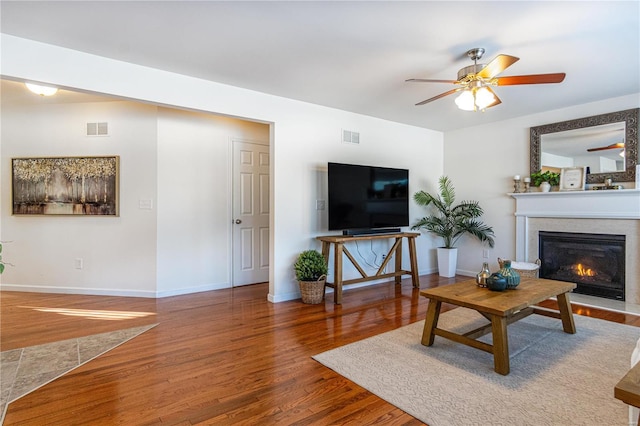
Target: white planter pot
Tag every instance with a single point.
(447, 260)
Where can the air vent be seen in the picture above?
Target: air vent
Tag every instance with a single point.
(350, 137)
(97, 129)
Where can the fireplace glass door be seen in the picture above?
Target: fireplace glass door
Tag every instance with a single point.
(595, 262)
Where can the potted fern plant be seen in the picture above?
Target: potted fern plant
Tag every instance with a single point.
(450, 222)
(311, 273)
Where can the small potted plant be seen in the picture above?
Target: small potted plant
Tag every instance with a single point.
(311, 273)
(538, 178)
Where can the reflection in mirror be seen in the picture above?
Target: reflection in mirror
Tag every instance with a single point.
(607, 144)
(600, 148)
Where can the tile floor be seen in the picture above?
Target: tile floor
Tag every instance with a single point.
(26, 369)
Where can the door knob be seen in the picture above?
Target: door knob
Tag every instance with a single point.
(238, 221)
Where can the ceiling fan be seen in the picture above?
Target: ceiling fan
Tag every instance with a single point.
(475, 81)
(619, 145)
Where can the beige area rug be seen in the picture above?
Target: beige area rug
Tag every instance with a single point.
(556, 378)
(24, 370)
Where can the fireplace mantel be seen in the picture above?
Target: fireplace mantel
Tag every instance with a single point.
(609, 204)
(604, 212)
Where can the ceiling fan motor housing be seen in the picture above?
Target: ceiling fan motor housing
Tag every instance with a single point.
(470, 70)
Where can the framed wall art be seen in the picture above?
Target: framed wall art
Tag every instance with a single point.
(573, 178)
(81, 186)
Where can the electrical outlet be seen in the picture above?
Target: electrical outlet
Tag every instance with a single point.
(145, 204)
(79, 263)
(485, 254)
(384, 256)
(320, 205)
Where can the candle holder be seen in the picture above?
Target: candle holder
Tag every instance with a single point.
(516, 186)
(527, 186)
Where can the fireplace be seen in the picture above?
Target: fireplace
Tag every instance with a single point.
(614, 212)
(595, 262)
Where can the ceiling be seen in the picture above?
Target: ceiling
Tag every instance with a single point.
(356, 56)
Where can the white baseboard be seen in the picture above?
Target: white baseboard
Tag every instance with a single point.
(296, 295)
(77, 290)
(111, 292)
(189, 290)
(283, 297)
(176, 292)
(428, 271)
(466, 273)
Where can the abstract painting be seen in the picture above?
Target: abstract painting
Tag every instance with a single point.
(65, 186)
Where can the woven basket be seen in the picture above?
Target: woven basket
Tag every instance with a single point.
(528, 272)
(312, 291)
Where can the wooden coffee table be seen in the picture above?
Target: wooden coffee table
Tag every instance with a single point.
(628, 388)
(500, 308)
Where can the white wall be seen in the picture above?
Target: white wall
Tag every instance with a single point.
(309, 137)
(382, 143)
(551, 160)
(194, 198)
(118, 253)
(188, 154)
(482, 161)
(303, 138)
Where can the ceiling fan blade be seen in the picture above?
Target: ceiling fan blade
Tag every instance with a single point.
(427, 80)
(531, 79)
(497, 65)
(618, 145)
(496, 102)
(441, 95)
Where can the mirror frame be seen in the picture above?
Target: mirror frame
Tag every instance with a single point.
(630, 118)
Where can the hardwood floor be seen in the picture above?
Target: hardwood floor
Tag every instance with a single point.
(220, 357)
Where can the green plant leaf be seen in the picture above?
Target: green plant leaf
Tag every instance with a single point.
(538, 177)
(449, 221)
(310, 266)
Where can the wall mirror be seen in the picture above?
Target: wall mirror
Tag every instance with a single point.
(606, 143)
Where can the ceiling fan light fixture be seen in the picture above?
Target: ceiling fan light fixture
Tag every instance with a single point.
(484, 97)
(474, 99)
(466, 100)
(42, 90)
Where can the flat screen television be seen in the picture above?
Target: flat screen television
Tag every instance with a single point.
(367, 199)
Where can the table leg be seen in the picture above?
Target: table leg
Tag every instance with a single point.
(566, 314)
(337, 278)
(414, 262)
(398, 257)
(431, 322)
(326, 247)
(500, 344)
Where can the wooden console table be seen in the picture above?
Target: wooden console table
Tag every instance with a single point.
(339, 240)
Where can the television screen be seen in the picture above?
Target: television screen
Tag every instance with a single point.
(367, 197)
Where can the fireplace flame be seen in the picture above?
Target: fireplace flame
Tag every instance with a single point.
(583, 271)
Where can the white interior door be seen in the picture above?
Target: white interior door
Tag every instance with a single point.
(250, 213)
